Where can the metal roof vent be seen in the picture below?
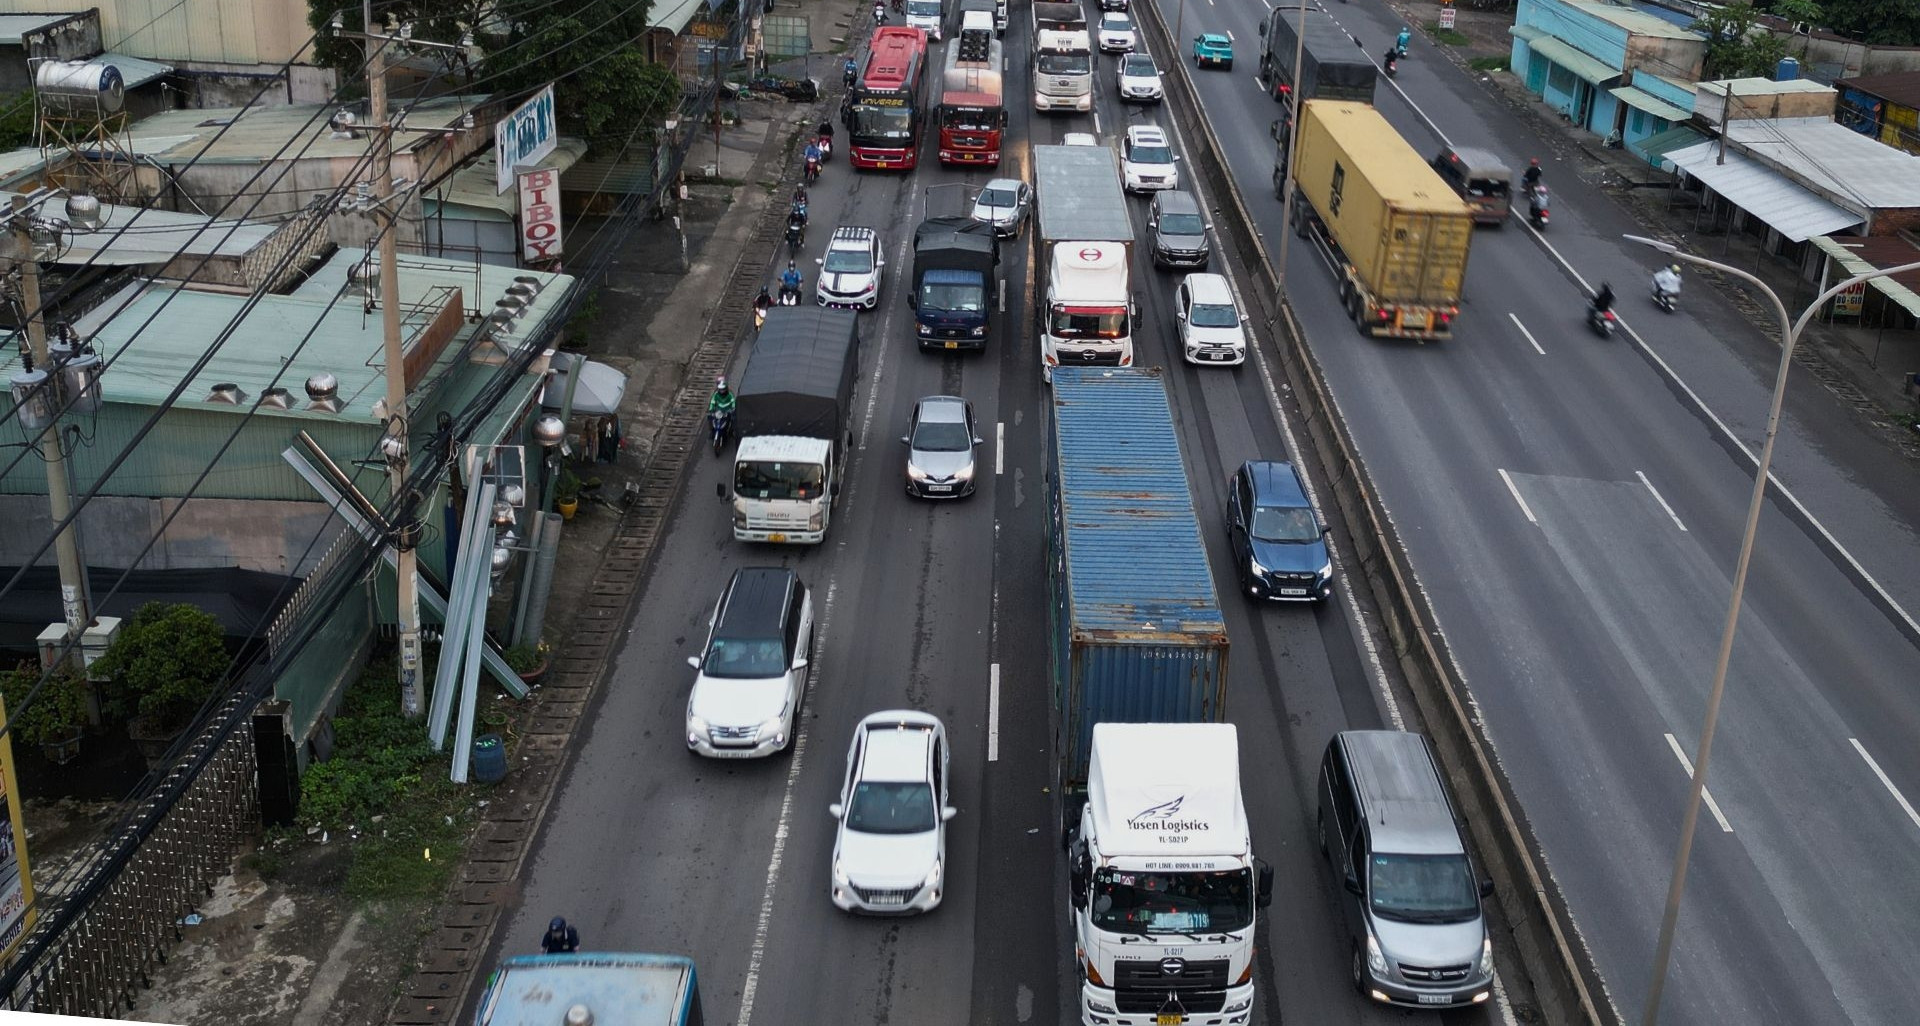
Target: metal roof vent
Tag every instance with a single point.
(528, 280)
(276, 398)
(513, 305)
(323, 393)
(579, 1015)
(227, 392)
(523, 293)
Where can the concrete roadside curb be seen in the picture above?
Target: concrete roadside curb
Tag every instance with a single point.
(486, 885)
(1561, 975)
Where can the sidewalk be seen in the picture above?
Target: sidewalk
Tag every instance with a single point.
(1867, 368)
(292, 948)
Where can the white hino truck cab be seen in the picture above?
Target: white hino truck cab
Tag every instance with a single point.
(1164, 884)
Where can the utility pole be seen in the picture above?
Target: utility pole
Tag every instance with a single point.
(394, 445)
(75, 601)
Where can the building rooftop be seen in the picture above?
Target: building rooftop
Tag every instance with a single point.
(1902, 87)
(1635, 21)
(1833, 158)
(151, 331)
(1761, 86)
(473, 185)
(13, 26)
(154, 236)
(265, 132)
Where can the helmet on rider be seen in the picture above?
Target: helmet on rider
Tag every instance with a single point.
(1675, 268)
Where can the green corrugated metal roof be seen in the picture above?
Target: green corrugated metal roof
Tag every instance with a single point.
(1648, 102)
(1574, 59)
(1659, 144)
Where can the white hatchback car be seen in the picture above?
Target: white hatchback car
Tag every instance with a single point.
(1146, 161)
(890, 850)
(850, 272)
(753, 669)
(1212, 328)
(1116, 32)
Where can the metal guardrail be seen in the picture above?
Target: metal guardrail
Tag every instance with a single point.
(1556, 962)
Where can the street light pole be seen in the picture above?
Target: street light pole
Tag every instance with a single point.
(1789, 334)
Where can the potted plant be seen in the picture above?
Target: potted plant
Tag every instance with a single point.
(56, 717)
(168, 659)
(529, 661)
(566, 494)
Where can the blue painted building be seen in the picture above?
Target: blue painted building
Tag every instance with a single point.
(1616, 71)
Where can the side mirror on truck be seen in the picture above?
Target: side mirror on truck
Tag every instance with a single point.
(720, 489)
(1079, 875)
(1263, 889)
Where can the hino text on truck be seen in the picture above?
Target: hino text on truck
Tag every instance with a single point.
(1396, 234)
(1083, 239)
(1163, 882)
(793, 409)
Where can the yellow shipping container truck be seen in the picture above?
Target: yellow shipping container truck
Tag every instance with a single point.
(1395, 231)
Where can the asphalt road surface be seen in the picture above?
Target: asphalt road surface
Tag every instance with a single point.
(921, 605)
(1575, 522)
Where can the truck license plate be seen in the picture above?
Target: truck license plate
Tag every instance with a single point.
(776, 538)
(952, 345)
(1169, 1019)
(1435, 999)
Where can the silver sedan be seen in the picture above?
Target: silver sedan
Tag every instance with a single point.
(1004, 203)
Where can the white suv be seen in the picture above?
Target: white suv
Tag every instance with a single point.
(753, 670)
(890, 850)
(1146, 161)
(850, 272)
(1212, 328)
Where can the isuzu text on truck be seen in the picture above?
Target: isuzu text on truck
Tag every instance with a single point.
(794, 407)
(1164, 885)
(1083, 239)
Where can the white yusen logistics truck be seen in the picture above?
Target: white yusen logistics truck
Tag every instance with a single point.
(1163, 881)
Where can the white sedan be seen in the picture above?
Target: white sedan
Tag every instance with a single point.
(1116, 33)
(890, 850)
(1138, 79)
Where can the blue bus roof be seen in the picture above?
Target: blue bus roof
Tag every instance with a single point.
(622, 989)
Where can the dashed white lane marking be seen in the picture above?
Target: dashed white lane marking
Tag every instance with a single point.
(1531, 519)
(999, 448)
(1528, 334)
(1687, 764)
(993, 712)
(1885, 781)
(1657, 498)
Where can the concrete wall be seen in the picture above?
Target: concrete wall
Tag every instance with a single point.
(211, 85)
(1674, 58)
(271, 536)
(1827, 57)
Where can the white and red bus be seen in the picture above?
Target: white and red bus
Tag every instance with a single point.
(883, 110)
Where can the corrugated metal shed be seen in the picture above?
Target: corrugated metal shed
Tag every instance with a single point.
(1636, 21)
(261, 132)
(1833, 158)
(155, 236)
(1763, 192)
(1902, 87)
(1132, 541)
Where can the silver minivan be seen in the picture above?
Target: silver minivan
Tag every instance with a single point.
(1410, 891)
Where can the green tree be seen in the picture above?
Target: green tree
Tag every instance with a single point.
(1881, 22)
(1736, 46)
(165, 663)
(16, 120)
(610, 91)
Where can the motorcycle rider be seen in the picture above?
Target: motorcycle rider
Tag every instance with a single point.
(1531, 179)
(1392, 61)
(790, 282)
(879, 13)
(761, 304)
(1400, 43)
(813, 157)
(1537, 202)
(825, 137)
(1666, 282)
(850, 72)
(560, 938)
(1603, 300)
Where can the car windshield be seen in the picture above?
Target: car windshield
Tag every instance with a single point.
(745, 658)
(941, 436)
(1150, 155)
(1283, 523)
(1214, 315)
(1075, 322)
(1064, 64)
(1138, 64)
(1191, 902)
(924, 8)
(881, 122)
(993, 197)
(758, 479)
(1422, 888)
(848, 261)
(952, 298)
(890, 807)
(1116, 23)
(1182, 224)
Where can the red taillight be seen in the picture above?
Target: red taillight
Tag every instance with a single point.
(1446, 318)
(1382, 314)
(1610, 315)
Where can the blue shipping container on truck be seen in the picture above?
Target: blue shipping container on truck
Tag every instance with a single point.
(1137, 632)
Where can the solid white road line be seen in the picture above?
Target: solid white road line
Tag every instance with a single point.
(763, 925)
(1687, 764)
(1661, 501)
(1528, 334)
(1096, 122)
(1905, 806)
(1003, 295)
(993, 712)
(999, 448)
(1517, 498)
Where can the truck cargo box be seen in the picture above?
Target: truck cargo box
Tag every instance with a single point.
(1077, 196)
(1332, 66)
(799, 378)
(1405, 232)
(1138, 636)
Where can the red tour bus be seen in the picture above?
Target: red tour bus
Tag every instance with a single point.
(882, 112)
(972, 114)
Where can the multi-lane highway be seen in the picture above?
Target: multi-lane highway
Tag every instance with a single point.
(928, 606)
(1574, 521)
(1571, 517)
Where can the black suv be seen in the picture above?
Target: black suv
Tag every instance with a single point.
(1279, 545)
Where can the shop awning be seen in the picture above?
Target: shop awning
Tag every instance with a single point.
(1574, 59)
(1640, 99)
(1526, 32)
(1759, 190)
(1656, 146)
(1852, 263)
